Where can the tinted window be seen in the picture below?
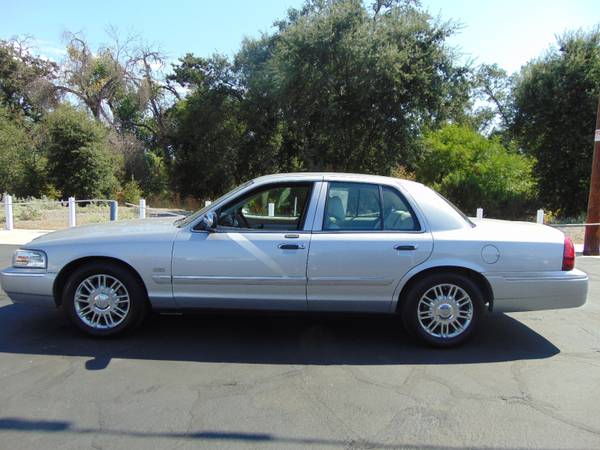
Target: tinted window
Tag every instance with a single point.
(279, 207)
(352, 206)
(397, 215)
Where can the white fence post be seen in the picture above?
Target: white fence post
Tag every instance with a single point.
(271, 209)
(72, 219)
(540, 216)
(480, 213)
(207, 203)
(142, 208)
(8, 209)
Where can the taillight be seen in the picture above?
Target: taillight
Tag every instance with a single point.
(568, 254)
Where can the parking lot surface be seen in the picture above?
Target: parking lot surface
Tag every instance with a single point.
(528, 380)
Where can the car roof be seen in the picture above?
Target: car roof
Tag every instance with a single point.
(331, 176)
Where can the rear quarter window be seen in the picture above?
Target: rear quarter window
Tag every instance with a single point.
(439, 213)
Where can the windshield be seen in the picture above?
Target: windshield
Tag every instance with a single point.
(192, 217)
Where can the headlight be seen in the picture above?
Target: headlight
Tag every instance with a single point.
(29, 258)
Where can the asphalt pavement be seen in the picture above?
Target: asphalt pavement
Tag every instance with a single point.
(528, 380)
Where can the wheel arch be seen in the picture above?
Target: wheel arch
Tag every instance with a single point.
(478, 278)
(69, 268)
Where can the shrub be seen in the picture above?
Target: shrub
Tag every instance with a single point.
(29, 212)
(131, 192)
(474, 171)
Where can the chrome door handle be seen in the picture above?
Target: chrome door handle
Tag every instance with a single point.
(405, 247)
(291, 246)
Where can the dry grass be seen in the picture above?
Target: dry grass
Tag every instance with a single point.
(44, 215)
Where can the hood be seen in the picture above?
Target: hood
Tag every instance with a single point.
(507, 230)
(112, 230)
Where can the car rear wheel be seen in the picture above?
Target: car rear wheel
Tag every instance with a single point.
(443, 309)
(104, 299)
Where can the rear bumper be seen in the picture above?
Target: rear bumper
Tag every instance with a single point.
(538, 291)
(28, 286)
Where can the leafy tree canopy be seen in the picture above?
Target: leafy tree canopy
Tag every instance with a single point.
(80, 163)
(339, 87)
(555, 100)
(474, 171)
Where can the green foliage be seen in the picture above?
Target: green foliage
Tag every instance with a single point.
(79, 160)
(131, 192)
(25, 80)
(555, 101)
(22, 167)
(474, 171)
(336, 87)
(156, 179)
(14, 147)
(492, 86)
(206, 136)
(355, 89)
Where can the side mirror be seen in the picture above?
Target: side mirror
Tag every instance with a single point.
(208, 222)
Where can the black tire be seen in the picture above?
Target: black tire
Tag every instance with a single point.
(410, 309)
(138, 303)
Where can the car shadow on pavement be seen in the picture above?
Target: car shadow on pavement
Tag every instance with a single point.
(206, 437)
(265, 339)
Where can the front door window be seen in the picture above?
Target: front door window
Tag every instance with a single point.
(272, 208)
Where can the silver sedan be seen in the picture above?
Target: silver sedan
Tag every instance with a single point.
(304, 242)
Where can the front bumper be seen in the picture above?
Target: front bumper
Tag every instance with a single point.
(30, 286)
(538, 291)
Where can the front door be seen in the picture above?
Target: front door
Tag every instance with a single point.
(256, 258)
(369, 239)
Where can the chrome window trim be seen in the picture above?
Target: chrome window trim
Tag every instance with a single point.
(250, 230)
(368, 232)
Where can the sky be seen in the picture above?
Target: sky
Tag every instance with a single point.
(506, 32)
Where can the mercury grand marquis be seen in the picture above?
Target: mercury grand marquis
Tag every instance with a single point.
(304, 242)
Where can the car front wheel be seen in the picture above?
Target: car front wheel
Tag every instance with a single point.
(443, 309)
(104, 299)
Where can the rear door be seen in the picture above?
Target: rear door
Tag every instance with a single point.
(366, 237)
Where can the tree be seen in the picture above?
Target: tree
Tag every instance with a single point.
(355, 88)
(16, 149)
(25, 80)
(555, 100)
(206, 130)
(122, 86)
(338, 86)
(475, 171)
(80, 163)
(493, 86)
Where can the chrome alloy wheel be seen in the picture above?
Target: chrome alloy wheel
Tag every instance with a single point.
(101, 301)
(445, 311)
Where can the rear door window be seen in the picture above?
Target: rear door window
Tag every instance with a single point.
(352, 206)
(367, 207)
